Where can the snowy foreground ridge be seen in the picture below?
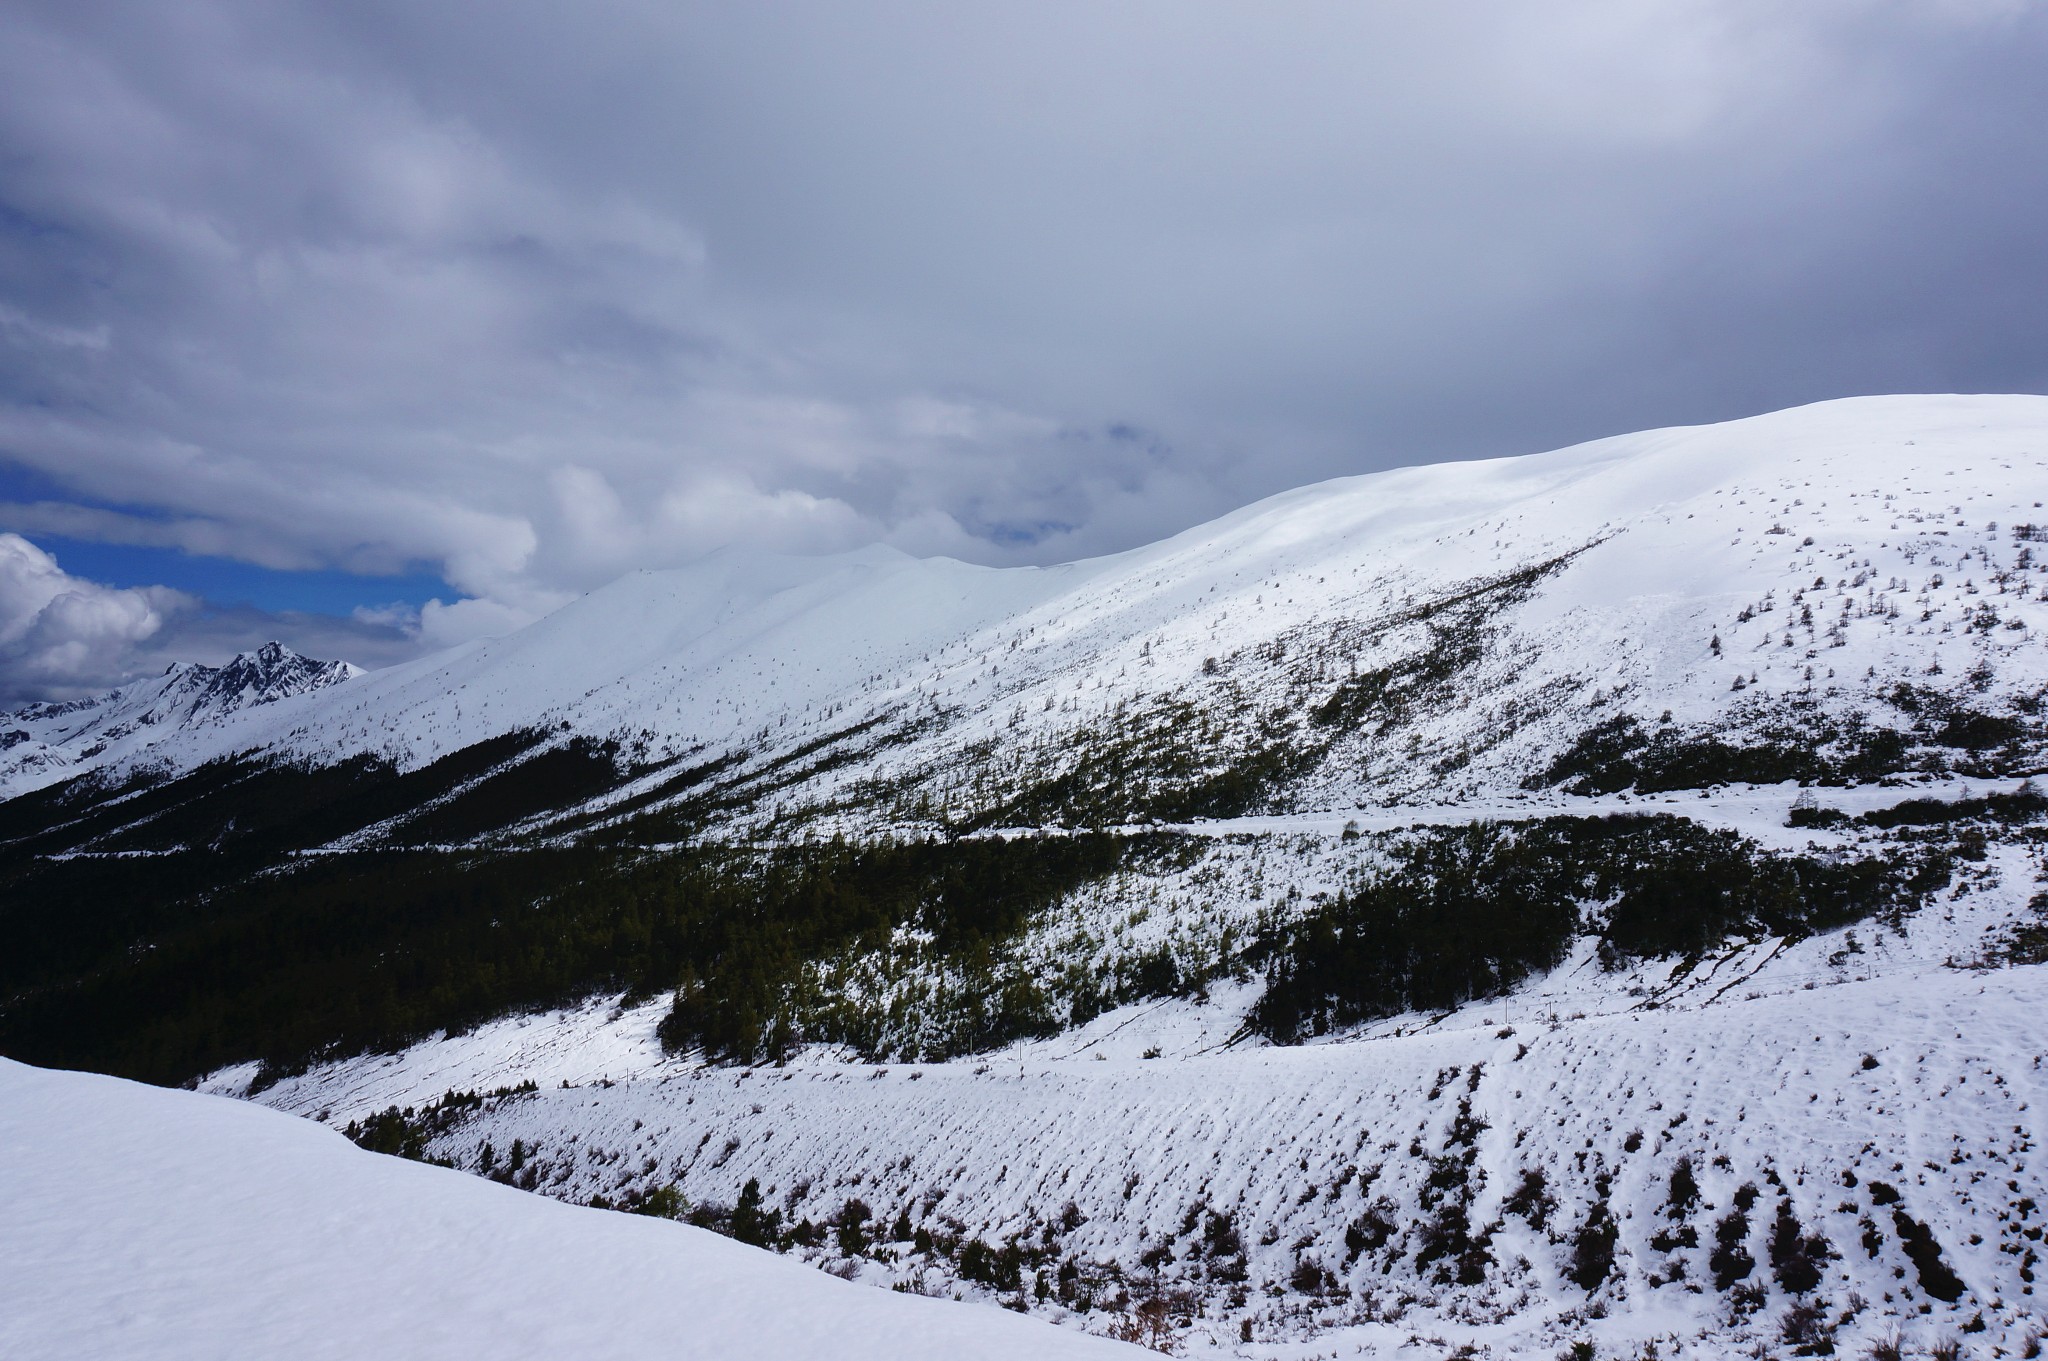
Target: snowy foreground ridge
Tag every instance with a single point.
(143, 1223)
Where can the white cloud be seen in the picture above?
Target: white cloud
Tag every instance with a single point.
(396, 615)
(445, 624)
(63, 636)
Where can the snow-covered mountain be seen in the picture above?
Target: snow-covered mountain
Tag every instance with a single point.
(1592, 898)
(44, 743)
(1416, 635)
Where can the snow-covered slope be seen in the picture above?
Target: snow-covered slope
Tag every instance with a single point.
(144, 1223)
(1588, 897)
(1417, 635)
(1377, 1190)
(44, 743)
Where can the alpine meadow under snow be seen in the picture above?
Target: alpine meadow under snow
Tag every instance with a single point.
(1590, 900)
(147, 1223)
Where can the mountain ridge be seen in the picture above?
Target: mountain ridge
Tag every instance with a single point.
(706, 659)
(52, 741)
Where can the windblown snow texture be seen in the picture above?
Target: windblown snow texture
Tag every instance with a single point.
(144, 1223)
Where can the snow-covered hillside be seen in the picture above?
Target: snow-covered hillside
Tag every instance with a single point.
(1614, 1160)
(1416, 635)
(144, 1223)
(44, 743)
(1593, 898)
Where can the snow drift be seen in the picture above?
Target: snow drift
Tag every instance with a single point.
(144, 1223)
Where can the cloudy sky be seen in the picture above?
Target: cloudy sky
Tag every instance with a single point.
(377, 326)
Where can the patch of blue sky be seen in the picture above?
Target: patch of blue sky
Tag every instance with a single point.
(222, 581)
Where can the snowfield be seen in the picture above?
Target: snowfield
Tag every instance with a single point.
(1860, 1083)
(144, 1223)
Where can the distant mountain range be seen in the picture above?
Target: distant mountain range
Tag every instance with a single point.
(43, 743)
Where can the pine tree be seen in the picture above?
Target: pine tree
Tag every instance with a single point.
(749, 1225)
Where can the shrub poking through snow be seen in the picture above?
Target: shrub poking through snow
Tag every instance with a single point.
(1593, 1245)
(1797, 1257)
(1731, 1261)
(1805, 1329)
(1532, 1199)
(1935, 1276)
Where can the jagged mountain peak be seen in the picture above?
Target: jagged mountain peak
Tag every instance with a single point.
(45, 742)
(270, 672)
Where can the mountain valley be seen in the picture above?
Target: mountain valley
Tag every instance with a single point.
(1589, 900)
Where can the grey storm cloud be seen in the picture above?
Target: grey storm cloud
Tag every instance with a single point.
(534, 294)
